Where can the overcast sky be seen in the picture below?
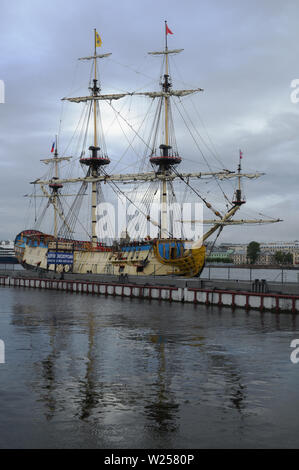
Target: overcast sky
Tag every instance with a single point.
(244, 54)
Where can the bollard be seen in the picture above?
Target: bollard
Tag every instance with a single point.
(255, 285)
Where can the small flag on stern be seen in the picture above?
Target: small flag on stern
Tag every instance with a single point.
(98, 40)
(53, 147)
(168, 31)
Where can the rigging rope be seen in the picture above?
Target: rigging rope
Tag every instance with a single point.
(196, 143)
(207, 204)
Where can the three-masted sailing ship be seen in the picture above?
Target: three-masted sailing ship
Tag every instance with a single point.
(162, 254)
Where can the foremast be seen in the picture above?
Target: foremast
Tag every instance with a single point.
(97, 158)
(95, 91)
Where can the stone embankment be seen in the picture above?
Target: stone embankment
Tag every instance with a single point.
(259, 295)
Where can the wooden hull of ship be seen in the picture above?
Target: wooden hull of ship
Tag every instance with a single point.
(158, 257)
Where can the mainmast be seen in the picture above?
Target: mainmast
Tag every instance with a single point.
(163, 196)
(166, 86)
(168, 156)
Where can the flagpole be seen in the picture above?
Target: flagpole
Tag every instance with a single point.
(166, 78)
(239, 170)
(95, 81)
(95, 53)
(165, 35)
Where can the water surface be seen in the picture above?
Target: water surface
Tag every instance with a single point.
(103, 372)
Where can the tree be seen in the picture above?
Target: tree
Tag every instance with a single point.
(283, 258)
(253, 250)
(288, 258)
(278, 256)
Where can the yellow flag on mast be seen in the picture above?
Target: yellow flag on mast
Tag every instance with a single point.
(98, 40)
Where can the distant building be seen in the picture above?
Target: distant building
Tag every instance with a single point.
(7, 252)
(265, 257)
(240, 257)
(220, 255)
(285, 247)
(237, 252)
(235, 247)
(7, 243)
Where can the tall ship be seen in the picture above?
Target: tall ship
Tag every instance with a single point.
(165, 245)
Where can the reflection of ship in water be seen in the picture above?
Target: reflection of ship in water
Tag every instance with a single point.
(97, 397)
(45, 380)
(88, 367)
(165, 407)
(228, 371)
(49, 388)
(238, 394)
(91, 391)
(163, 411)
(64, 384)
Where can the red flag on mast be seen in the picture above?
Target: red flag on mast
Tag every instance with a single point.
(241, 155)
(168, 31)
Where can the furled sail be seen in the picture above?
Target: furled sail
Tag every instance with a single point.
(172, 51)
(80, 99)
(159, 94)
(152, 176)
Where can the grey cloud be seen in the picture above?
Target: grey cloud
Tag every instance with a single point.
(244, 54)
